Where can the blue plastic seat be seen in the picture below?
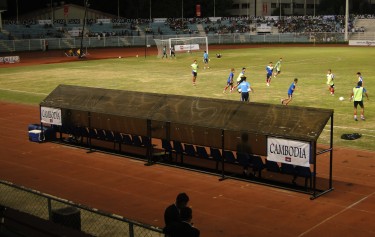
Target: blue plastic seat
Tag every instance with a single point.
(190, 150)
(202, 152)
(229, 157)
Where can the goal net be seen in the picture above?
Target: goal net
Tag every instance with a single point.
(182, 45)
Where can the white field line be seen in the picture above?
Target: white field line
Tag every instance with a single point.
(28, 92)
(361, 129)
(334, 215)
(363, 134)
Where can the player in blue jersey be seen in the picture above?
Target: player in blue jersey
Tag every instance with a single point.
(229, 81)
(360, 78)
(291, 89)
(269, 70)
(205, 60)
(244, 88)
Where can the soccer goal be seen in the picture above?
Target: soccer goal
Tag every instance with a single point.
(182, 45)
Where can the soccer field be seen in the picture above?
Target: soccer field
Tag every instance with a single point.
(30, 84)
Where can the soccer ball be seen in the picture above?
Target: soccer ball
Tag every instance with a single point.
(341, 98)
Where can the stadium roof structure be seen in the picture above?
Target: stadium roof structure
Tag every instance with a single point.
(192, 120)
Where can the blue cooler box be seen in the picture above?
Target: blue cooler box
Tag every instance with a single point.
(35, 135)
(49, 132)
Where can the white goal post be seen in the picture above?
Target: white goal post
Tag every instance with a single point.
(181, 45)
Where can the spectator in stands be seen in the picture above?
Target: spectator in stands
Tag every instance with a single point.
(172, 212)
(183, 228)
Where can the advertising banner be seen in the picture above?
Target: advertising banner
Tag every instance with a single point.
(10, 59)
(50, 115)
(362, 42)
(186, 47)
(103, 21)
(44, 22)
(288, 151)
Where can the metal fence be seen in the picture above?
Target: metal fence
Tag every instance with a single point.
(130, 41)
(91, 221)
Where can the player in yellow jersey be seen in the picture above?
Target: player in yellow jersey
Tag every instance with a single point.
(194, 68)
(357, 97)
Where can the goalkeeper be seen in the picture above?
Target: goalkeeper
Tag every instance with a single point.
(206, 59)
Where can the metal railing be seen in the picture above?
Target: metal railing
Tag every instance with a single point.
(137, 41)
(91, 221)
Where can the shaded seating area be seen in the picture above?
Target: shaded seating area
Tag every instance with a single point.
(198, 133)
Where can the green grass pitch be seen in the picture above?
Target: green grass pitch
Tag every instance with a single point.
(30, 84)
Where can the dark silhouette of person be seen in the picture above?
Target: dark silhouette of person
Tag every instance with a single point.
(172, 212)
(183, 228)
(245, 148)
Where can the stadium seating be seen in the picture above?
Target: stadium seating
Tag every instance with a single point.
(190, 150)
(202, 152)
(229, 157)
(258, 165)
(179, 150)
(272, 166)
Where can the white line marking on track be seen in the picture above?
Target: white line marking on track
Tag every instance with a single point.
(338, 213)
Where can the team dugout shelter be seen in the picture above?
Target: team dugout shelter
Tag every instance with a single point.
(283, 136)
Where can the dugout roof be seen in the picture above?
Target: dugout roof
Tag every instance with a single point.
(299, 123)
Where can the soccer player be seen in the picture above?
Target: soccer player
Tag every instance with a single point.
(165, 52)
(240, 76)
(269, 70)
(173, 54)
(244, 89)
(205, 60)
(278, 68)
(357, 96)
(291, 89)
(360, 78)
(230, 81)
(194, 68)
(330, 83)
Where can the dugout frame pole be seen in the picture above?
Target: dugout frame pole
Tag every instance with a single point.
(330, 150)
(222, 157)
